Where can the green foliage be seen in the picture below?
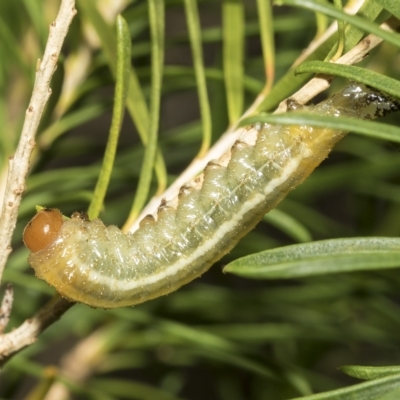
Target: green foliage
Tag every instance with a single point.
(319, 258)
(121, 91)
(377, 130)
(222, 336)
(391, 86)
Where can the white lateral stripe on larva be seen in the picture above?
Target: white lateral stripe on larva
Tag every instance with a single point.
(81, 266)
(219, 234)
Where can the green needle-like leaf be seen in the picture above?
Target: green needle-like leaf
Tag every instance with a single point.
(68, 122)
(369, 373)
(156, 16)
(373, 129)
(193, 22)
(288, 224)
(317, 258)
(289, 82)
(267, 41)
(121, 92)
(35, 11)
(341, 34)
(379, 81)
(233, 42)
(136, 102)
(355, 20)
(381, 389)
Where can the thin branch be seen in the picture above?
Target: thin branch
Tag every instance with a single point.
(27, 333)
(15, 186)
(6, 307)
(18, 165)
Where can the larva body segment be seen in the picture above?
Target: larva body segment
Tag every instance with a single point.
(102, 267)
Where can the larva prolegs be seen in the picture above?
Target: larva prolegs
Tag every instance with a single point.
(100, 266)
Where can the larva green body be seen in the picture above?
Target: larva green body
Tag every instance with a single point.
(102, 267)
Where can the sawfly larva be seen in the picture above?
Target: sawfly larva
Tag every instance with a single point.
(100, 266)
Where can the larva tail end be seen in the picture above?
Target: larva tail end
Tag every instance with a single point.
(42, 229)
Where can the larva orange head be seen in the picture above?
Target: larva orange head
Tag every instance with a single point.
(42, 229)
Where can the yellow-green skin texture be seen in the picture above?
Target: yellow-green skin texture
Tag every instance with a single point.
(103, 267)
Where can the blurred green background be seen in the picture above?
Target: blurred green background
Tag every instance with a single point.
(222, 336)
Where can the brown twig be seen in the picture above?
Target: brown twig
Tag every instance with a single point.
(27, 333)
(6, 307)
